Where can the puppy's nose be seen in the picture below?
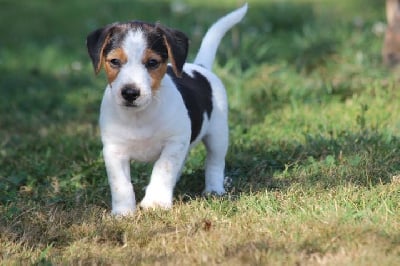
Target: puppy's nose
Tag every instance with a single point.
(130, 93)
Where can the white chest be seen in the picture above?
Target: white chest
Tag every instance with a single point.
(142, 136)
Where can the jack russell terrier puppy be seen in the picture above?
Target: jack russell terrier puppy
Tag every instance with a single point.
(153, 111)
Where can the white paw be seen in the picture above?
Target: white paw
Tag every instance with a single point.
(150, 203)
(218, 191)
(123, 211)
(157, 197)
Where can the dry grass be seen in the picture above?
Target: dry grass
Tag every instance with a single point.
(293, 227)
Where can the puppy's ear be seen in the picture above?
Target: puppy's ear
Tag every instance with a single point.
(177, 46)
(95, 42)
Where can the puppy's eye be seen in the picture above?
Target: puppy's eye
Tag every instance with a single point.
(152, 64)
(116, 63)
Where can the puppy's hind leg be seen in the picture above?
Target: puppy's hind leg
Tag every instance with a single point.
(216, 143)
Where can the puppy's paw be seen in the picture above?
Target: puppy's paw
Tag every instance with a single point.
(214, 191)
(157, 197)
(122, 211)
(153, 203)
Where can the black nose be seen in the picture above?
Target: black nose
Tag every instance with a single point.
(130, 93)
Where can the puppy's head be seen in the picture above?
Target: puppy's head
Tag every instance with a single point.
(134, 56)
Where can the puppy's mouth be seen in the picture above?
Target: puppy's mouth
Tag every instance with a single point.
(139, 104)
(130, 104)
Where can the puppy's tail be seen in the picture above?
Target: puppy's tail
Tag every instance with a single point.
(208, 48)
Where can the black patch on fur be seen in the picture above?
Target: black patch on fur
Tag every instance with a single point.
(178, 45)
(156, 43)
(196, 93)
(117, 35)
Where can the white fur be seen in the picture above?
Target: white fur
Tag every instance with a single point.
(211, 40)
(159, 128)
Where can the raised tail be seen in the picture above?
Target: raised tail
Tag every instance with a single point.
(208, 48)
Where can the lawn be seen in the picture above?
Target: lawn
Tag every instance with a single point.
(314, 159)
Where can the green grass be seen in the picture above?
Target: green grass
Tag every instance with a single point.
(314, 140)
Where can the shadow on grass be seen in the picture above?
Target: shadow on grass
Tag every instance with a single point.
(361, 159)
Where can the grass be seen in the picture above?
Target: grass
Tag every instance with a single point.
(314, 159)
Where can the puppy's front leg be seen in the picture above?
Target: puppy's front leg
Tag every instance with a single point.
(118, 171)
(165, 174)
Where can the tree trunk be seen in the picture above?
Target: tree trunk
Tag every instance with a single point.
(391, 45)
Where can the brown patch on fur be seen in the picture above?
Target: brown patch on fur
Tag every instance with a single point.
(112, 71)
(158, 73)
(171, 58)
(101, 59)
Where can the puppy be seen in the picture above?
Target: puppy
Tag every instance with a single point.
(156, 107)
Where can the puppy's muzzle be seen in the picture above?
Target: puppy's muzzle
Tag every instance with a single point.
(130, 93)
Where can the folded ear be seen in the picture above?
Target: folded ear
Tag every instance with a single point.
(177, 46)
(95, 42)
